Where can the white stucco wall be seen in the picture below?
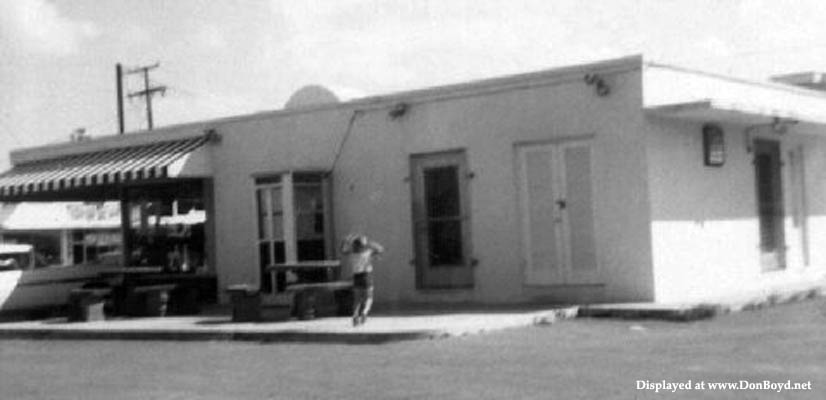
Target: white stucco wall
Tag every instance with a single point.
(372, 191)
(705, 233)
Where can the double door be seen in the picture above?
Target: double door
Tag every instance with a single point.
(557, 213)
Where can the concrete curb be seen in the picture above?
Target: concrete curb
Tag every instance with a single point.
(190, 331)
(681, 314)
(189, 336)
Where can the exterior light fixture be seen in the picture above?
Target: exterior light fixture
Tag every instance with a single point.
(602, 89)
(398, 110)
(780, 126)
(714, 146)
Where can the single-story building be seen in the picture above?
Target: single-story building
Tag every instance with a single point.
(623, 180)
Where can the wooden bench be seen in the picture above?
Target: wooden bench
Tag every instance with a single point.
(328, 269)
(307, 300)
(246, 303)
(311, 300)
(148, 300)
(87, 304)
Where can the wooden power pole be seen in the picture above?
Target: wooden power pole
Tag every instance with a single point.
(147, 91)
(119, 84)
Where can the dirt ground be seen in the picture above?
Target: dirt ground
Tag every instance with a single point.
(579, 359)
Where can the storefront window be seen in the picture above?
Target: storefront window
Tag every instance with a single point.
(96, 247)
(46, 246)
(166, 227)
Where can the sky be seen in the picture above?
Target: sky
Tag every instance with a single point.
(231, 57)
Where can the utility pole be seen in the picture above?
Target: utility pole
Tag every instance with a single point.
(119, 78)
(147, 91)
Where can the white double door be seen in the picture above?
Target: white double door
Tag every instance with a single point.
(556, 195)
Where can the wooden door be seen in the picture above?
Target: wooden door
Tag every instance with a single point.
(769, 185)
(557, 213)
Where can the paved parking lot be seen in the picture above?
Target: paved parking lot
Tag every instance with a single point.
(578, 359)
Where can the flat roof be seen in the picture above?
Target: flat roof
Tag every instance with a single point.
(465, 89)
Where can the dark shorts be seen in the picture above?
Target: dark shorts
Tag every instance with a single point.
(363, 280)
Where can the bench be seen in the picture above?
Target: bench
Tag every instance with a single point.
(311, 300)
(308, 300)
(87, 304)
(148, 300)
(321, 270)
(246, 303)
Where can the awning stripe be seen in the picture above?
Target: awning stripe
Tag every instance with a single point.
(96, 168)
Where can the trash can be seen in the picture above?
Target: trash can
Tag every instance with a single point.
(87, 305)
(304, 304)
(246, 303)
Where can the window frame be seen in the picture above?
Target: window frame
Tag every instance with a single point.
(85, 254)
(286, 182)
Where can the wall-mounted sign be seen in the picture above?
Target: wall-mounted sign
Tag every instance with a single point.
(714, 146)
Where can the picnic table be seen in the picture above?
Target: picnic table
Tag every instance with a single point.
(321, 270)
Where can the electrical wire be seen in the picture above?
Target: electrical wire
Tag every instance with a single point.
(347, 133)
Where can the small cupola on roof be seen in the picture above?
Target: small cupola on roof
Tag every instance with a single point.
(309, 96)
(808, 80)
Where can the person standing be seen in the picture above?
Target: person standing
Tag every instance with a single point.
(358, 252)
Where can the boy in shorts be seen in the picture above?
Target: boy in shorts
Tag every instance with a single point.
(358, 253)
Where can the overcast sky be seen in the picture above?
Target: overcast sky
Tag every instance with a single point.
(231, 57)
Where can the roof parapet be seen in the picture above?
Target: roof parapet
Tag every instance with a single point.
(809, 80)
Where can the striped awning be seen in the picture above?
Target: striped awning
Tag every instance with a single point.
(115, 165)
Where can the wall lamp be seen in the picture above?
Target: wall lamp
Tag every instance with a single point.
(398, 110)
(781, 126)
(598, 83)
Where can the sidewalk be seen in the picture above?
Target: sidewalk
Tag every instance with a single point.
(378, 329)
(392, 324)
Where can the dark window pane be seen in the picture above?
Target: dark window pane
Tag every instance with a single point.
(311, 250)
(264, 254)
(441, 190)
(280, 255)
(262, 219)
(77, 254)
(445, 243)
(318, 224)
